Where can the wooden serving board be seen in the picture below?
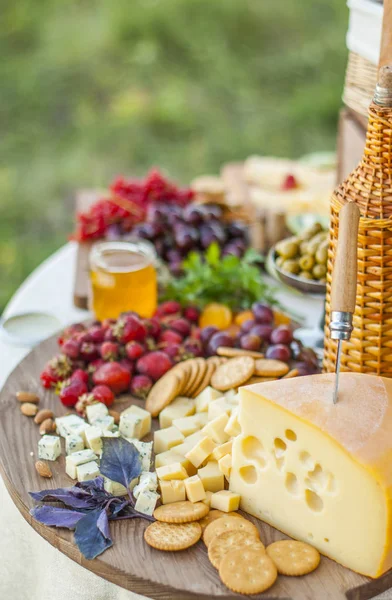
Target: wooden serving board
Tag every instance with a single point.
(131, 563)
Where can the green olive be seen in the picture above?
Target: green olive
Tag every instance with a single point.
(320, 237)
(322, 255)
(305, 275)
(309, 232)
(306, 262)
(303, 248)
(287, 249)
(312, 248)
(319, 271)
(279, 261)
(291, 266)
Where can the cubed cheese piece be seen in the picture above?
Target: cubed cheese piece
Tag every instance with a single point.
(117, 489)
(71, 424)
(131, 425)
(225, 501)
(180, 407)
(94, 439)
(145, 417)
(96, 411)
(171, 456)
(173, 471)
(222, 450)
(216, 429)
(49, 447)
(230, 394)
(73, 443)
(78, 458)
(234, 400)
(172, 491)
(145, 451)
(207, 499)
(148, 481)
(187, 425)
(219, 407)
(104, 423)
(225, 465)
(146, 502)
(202, 418)
(110, 433)
(201, 451)
(233, 427)
(311, 467)
(194, 489)
(211, 476)
(205, 397)
(189, 442)
(87, 471)
(164, 439)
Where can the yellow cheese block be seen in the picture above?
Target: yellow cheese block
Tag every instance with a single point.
(173, 471)
(172, 456)
(212, 477)
(225, 501)
(172, 491)
(320, 472)
(194, 489)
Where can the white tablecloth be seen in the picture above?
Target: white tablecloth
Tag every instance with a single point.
(30, 568)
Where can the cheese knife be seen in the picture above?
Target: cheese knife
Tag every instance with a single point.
(344, 283)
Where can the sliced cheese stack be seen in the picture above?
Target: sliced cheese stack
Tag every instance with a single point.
(320, 472)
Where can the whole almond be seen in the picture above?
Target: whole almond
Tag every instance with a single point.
(115, 415)
(28, 409)
(27, 397)
(43, 469)
(42, 415)
(47, 426)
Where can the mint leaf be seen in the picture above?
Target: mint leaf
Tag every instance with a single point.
(120, 461)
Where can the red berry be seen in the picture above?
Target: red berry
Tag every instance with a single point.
(109, 350)
(196, 332)
(48, 378)
(95, 364)
(114, 375)
(127, 364)
(97, 334)
(181, 326)
(279, 352)
(141, 385)
(263, 313)
(170, 307)
(282, 335)
(134, 350)
(83, 337)
(248, 325)
(89, 351)
(192, 314)
(153, 327)
(109, 335)
(192, 347)
(154, 364)
(290, 183)
(57, 369)
(250, 341)
(103, 393)
(207, 332)
(71, 348)
(170, 337)
(128, 328)
(71, 391)
(80, 375)
(84, 401)
(174, 351)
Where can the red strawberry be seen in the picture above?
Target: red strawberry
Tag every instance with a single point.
(154, 364)
(88, 351)
(174, 351)
(57, 369)
(141, 385)
(95, 364)
(109, 335)
(83, 402)
(181, 326)
(69, 332)
(134, 350)
(70, 391)
(97, 334)
(170, 337)
(81, 375)
(127, 364)
(114, 375)
(192, 347)
(109, 350)
(103, 393)
(128, 328)
(153, 327)
(290, 183)
(169, 307)
(48, 378)
(71, 348)
(192, 314)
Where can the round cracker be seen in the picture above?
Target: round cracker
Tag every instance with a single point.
(198, 376)
(233, 373)
(229, 541)
(217, 360)
(216, 514)
(172, 537)
(269, 367)
(293, 558)
(247, 571)
(227, 523)
(291, 374)
(210, 368)
(163, 392)
(256, 379)
(181, 512)
(229, 352)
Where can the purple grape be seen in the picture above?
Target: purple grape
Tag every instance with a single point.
(232, 250)
(148, 231)
(186, 238)
(262, 313)
(175, 268)
(207, 236)
(218, 232)
(219, 339)
(236, 229)
(159, 247)
(248, 325)
(306, 369)
(212, 212)
(173, 255)
(207, 332)
(282, 335)
(193, 215)
(279, 352)
(307, 355)
(156, 213)
(263, 331)
(250, 341)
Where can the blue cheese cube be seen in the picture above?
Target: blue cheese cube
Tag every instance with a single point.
(96, 411)
(78, 458)
(49, 447)
(71, 425)
(145, 451)
(131, 425)
(93, 436)
(148, 481)
(87, 471)
(73, 443)
(117, 489)
(104, 423)
(146, 502)
(110, 433)
(144, 415)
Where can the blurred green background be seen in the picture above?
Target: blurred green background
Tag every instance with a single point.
(91, 89)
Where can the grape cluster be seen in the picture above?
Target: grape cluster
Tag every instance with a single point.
(176, 230)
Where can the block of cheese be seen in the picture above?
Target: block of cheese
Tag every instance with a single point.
(172, 456)
(207, 499)
(72, 461)
(93, 437)
(225, 501)
(189, 442)
(49, 447)
(201, 451)
(233, 427)
(145, 416)
(164, 439)
(73, 443)
(180, 407)
(148, 481)
(215, 429)
(320, 472)
(173, 471)
(131, 425)
(224, 464)
(145, 451)
(222, 450)
(205, 397)
(71, 424)
(212, 477)
(117, 489)
(146, 502)
(96, 411)
(105, 423)
(87, 471)
(172, 491)
(218, 407)
(195, 491)
(187, 425)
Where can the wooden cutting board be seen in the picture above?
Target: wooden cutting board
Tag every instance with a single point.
(131, 563)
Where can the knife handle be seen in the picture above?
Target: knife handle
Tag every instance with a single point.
(344, 277)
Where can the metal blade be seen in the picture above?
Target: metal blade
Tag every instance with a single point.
(337, 371)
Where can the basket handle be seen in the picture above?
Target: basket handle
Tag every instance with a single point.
(386, 36)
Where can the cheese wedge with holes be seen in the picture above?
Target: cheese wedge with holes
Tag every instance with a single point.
(320, 472)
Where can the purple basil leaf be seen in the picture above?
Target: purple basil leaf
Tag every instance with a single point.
(103, 524)
(56, 517)
(89, 538)
(65, 495)
(120, 461)
(117, 507)
(92, 486)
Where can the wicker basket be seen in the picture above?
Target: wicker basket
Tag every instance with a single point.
(370, 186)
(361, 79)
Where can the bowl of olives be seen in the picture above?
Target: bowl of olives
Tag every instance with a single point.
(300, 261)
